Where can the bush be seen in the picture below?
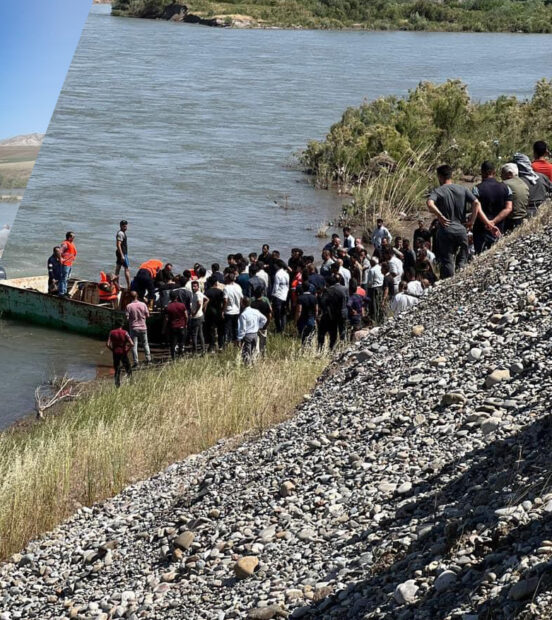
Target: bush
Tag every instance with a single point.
(437, 118)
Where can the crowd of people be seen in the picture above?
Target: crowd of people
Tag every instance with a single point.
(356, 282)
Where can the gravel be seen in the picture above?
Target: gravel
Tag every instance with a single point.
(404, 487)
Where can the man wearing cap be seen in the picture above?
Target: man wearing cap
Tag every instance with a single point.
(520, 196)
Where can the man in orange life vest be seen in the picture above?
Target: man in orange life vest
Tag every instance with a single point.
(68, 255)
(108, 289)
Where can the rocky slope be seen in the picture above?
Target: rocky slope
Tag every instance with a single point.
(414, 483)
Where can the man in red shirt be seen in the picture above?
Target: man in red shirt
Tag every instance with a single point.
(540, 163)
(176, 317)
(120, 343)
(68, 255)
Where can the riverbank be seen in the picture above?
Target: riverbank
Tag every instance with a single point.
(530, 16)
(413, 485)
(384, 153)
(96, 446)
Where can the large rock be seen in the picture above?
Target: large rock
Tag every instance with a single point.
(246, 566)
(184, 541)
(405, 593)
(497, 376)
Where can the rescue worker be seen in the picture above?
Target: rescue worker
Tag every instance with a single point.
(68, 255)
(108, 289)
(144, 280)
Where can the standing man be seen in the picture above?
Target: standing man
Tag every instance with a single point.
(199, 303)
(176, 316)
(421, 233)
(380, 233)
(306, 312)
(496, 205)
(280, 291)
(448, 204)
(540, 161)
(348, 239)
(54, 270)
(137, 312)
(67, 258)
(249, 324)
(520, 196)
(374, 288)
(214, 314)
(232, 303)
(261, 303)
(121, 251)
(119, 343)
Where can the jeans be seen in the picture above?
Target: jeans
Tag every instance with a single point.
(279, 309)
(306, 329)
(196, 326)
(249, 348)
(231, 327)
(452, 250)
(65, 274)
(141, 337)
(482, 240)
(120, 360)
(177, 339)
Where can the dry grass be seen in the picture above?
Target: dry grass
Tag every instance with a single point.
(97, 446)
(392, 193)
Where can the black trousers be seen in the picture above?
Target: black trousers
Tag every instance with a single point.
(177, 339)
(120, 361)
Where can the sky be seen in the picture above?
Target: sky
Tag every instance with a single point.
(37, 41)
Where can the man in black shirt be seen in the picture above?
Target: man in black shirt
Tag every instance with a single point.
(421, 233)
(261, 303)
(214, 315)
(306, 312)
(448, 204)
(496, 205)
(333, 317)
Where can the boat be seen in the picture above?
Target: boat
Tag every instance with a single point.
(27, 299)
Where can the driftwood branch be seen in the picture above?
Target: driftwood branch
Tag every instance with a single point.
(54, 391)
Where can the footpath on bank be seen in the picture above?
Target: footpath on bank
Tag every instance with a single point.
(414, 483)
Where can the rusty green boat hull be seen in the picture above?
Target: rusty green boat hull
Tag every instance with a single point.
(27, 299)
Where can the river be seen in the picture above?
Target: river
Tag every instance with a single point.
(188, 132)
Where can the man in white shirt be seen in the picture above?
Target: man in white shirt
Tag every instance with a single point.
(402, 300)
(199, 303)
(395, 266)
(280, 290)
(374, 289)
(263, 275)
(249, 324)
(380, 233)
(344, 272)
(348, 239)
(233, 296)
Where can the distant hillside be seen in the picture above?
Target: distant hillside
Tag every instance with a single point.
(17, 158)
(430, 15)
(29, 139)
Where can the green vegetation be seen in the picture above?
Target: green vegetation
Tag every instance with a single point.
(458, 16)
(96, 446)
(385, 151)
